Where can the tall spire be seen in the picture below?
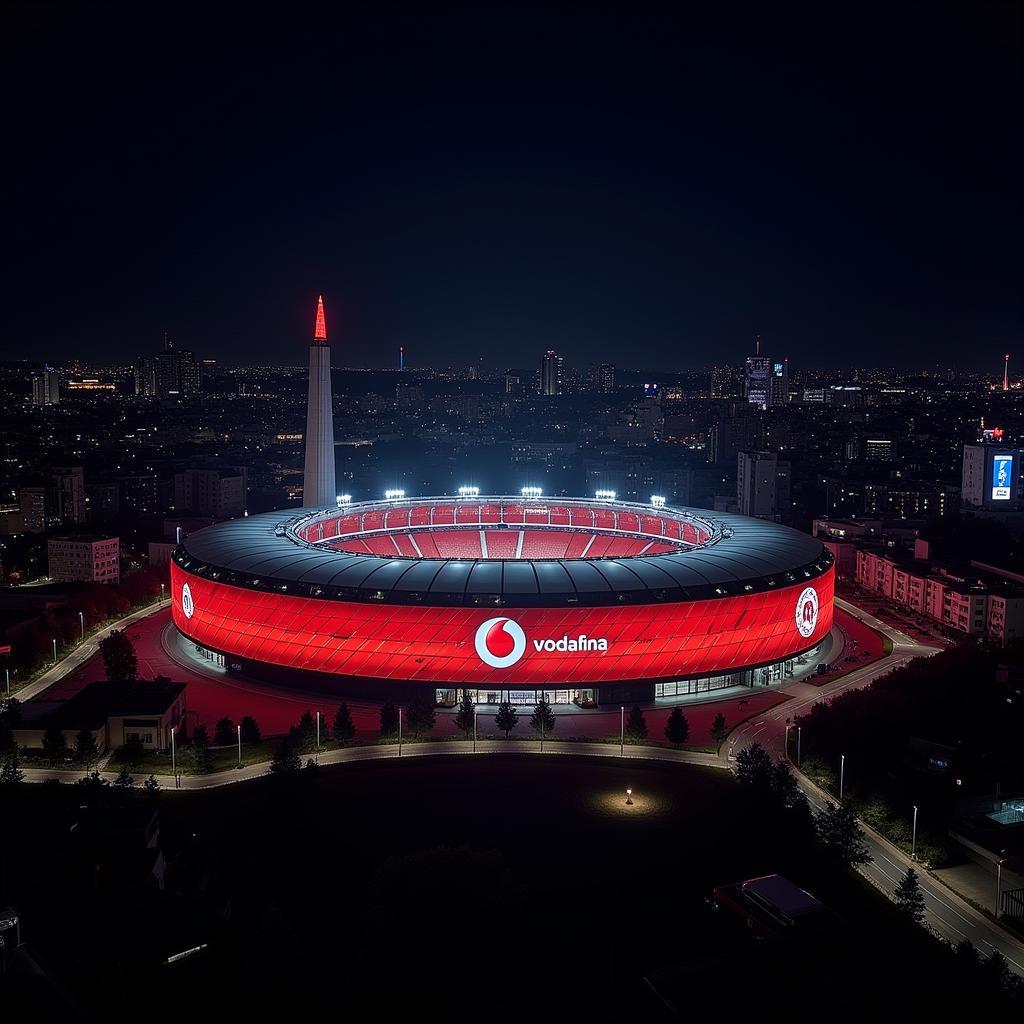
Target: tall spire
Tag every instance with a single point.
(320, 331)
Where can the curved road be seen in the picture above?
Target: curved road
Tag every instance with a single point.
(946, 913)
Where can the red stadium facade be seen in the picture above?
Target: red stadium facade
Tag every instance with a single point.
(503, 640)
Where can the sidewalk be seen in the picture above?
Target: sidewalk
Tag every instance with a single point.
(390, 751)
(82, 653)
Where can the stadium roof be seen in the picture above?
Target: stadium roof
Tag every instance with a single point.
(748, 555)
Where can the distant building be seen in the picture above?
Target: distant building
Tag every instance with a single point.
(145, 377)
(601, 378)
(990, 478)
(763, 486)
(778, 384)
(220, 493)
(69, 493)
(176, 372)
(45, 387)
(551, 373)
(93, 558)
(35, 509)
(757, 378)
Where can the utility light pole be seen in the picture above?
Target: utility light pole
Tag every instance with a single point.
(239, 727)
(55, 650)
(842, 774)
(798, 738)
(318, 736)
(913, 842)
(474, 730)
(174, 762)
(81, 622)
(622, 731)
(399, 732)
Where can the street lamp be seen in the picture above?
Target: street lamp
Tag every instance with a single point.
(842, 773)
(913, 842)
(163, 592)
(629, 795)
(174, 762)
(318, 735)
(798, 738)
(999, 882)
(81, 622)
(399, 732)
(239, 727)
(55, 650)
(622, 731)
(474, 730)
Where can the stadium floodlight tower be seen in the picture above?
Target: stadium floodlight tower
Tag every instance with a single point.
(469, 492)
(530, 492)
(658, 500)
(344, 499)
(318, 484)
(604, 495)
(394, 495)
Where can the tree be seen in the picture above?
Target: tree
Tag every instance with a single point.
(124, 780)
(133, 750)
(754, 767)
(677, 728)
(303, 735)
(55, 746)
(909, 897)
(344, 728)
(250, 730)
(10, 712)
(840, 834)
(784, 786)
(507, 717)
(286, 760)
(421, 715)
(201, 760)
(388, 720)
(151, 785)
(85, 746)
(118, 653)
(542, 721)
(466, 715)
(636, 725)
(719, 730)
(10, 773)
(224, 732)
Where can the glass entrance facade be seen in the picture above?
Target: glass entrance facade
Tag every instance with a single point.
(583, 697)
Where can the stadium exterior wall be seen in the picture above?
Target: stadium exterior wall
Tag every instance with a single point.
(380, 649)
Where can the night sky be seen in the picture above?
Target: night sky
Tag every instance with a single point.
(650, 185)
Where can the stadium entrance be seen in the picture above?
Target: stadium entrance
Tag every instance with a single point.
(449, 697)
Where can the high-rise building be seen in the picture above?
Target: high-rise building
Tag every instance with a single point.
(991, 479)
(176, 372)
(778, 385)
(69, 493)
(45, 387)
(551, 373)
(145, 376)
(763, 486)
(211, 492)
(319, 489)
(602, 378)
(757, 383)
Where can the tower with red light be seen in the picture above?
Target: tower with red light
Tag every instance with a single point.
(318, 487)
(1006, 372)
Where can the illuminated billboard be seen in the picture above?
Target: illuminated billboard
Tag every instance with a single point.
(1002, 477)
(525, 646)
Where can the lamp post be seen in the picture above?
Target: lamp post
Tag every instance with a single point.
(629, 795)
(318, 736)
(999, 882)
(174, 762)
(798, 738)
(622, 731)
(55, 650)
(163, 588)
(8, 672)
(842, 774)
(81, 622)
(913, 841)
(399, 732)
(474, 730)
(239, 727)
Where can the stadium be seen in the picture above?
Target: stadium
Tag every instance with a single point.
(587, 602)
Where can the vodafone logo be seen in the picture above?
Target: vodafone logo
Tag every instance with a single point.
(807, 611)
(500, 642)
(187, 604)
